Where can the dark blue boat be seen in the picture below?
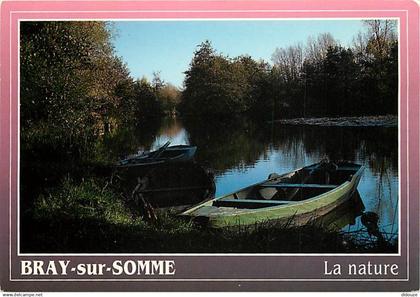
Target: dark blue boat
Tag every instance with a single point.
(166, 153)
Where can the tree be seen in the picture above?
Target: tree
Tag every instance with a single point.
(126, 94)
(379, 70)
(381, 34)
(340, 71)
(288, 64)
(147, 104)
(289, 61)
(170, 97)
(255, 85)
(197, 78)
(157, 82)
(214, 85)
(218, 86)
(69, 74)
(316, 48)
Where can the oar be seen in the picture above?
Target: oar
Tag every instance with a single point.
(291, 194)
(161, 150)
(305, 179)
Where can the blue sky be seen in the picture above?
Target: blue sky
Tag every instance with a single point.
(168, 46)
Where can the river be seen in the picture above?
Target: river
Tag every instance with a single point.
(242, 152)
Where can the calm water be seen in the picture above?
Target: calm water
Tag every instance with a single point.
(242, 153)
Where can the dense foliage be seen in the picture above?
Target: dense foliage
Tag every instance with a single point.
(68, 77)
(75, 95)
(74, 88)
(218, 86)
(322, 78)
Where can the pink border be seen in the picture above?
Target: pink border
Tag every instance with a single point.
(406, 11)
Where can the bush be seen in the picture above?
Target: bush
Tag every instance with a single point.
(87, 200)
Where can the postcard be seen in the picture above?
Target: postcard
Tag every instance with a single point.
(209, 146)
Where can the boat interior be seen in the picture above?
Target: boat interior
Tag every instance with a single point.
(291, 188)
(166, 154)
(172, 153)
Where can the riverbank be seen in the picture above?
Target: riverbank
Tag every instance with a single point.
(170, 234)
(368, 121)
(94, 216)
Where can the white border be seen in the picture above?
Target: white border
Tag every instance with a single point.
(215, 254)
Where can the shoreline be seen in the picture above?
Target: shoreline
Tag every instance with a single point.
(364, 121)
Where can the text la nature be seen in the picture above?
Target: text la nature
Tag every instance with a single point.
(118, 267)
(361, 269)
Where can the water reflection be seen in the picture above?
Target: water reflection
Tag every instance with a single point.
(242, 152)
(344, 215)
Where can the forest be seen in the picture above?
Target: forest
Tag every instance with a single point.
(321, 78)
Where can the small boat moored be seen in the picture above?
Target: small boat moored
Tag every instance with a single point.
(166, 153)
(294, 198)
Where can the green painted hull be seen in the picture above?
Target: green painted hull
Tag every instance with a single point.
(295, 212)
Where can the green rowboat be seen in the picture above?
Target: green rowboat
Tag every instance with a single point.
(294, 198)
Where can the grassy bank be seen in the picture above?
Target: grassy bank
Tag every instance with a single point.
(91, 216)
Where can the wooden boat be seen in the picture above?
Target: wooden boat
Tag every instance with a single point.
(166, 153)
(174, 186)
(293, 198)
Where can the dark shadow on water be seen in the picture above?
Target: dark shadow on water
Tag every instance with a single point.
(228, 144)
(238, 142)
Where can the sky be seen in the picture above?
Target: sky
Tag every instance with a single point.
(168, 46)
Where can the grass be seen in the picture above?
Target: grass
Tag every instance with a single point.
(90, 216)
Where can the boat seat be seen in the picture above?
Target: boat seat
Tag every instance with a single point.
(340, 168)
(311, 186)
(347, 169)
(250, 203)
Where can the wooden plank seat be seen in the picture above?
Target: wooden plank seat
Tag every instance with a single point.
(250, 203)
(311, 186)
(340, 168)
(347, 169)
